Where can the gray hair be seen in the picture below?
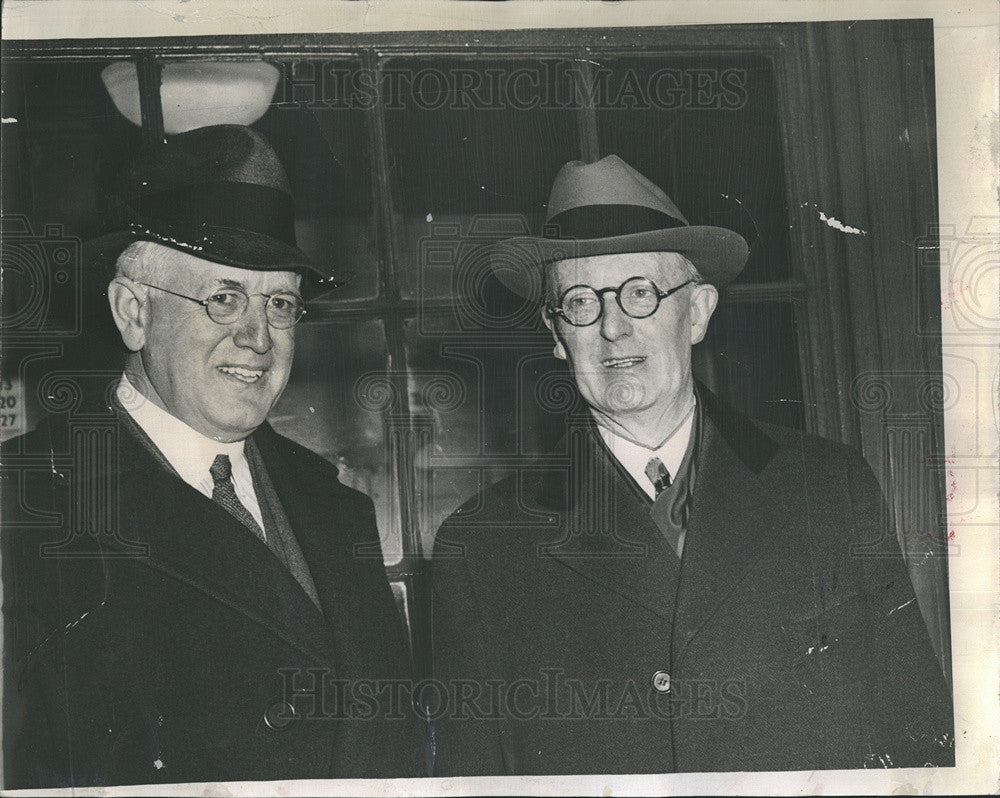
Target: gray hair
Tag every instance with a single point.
(144, 261)
(150, 262)
(691, 271)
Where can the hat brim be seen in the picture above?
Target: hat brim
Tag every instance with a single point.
(244, 249)
(719, 254)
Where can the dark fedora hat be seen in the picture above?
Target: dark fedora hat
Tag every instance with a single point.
(219, 193)
(608, 208)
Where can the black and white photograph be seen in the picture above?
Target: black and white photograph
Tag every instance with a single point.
(499, 398)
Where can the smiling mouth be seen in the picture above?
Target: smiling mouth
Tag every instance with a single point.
(622, 362)
(242, 373)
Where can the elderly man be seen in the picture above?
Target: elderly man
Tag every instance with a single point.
(220, 625)
(683, 593)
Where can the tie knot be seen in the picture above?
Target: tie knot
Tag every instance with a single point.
(222, 469)
(658, 474)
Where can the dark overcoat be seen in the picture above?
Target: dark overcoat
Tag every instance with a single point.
(568, 639)
(167, 647)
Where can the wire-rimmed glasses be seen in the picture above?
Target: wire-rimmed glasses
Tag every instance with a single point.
(227, 305)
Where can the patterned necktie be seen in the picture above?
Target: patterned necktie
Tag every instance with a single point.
(658, 475)
(224, 494)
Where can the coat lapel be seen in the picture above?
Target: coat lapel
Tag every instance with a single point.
(607, 534)
(732, 520)
(193, 540)
(329, 525)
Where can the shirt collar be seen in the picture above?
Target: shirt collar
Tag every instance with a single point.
(187, 450)
(635, 457)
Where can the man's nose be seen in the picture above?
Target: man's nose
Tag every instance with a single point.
(252, 330)
(615, 323)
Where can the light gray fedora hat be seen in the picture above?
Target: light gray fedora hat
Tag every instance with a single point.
(608, 208)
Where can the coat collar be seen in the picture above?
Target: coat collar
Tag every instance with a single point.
(160, 520)
(734, 430)
(606, 533)
(735, 517)
(728, 527)
(335, 530)
(745, 439)
(195, 541)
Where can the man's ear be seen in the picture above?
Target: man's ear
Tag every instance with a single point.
(131, 311)
(704, 298)
(559, 350)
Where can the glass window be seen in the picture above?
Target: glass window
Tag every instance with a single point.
(322, 139)
(750, 357)
(421, 377)
(67, 143)
(63, 140)
(332, 405)
(483, 405)
(469, 138)
(705, 129)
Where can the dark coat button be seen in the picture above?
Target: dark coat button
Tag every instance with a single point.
(661, 682)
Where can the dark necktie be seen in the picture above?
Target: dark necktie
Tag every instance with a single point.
(668, 509)
(658, 475)
(224, 494)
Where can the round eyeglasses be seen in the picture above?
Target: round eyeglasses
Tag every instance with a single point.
(638, 297)
(227, 305)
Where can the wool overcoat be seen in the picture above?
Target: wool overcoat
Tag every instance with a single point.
(166, 645)
(568, 638)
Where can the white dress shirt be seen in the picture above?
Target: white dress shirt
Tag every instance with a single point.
(634, 457)
(187, 450)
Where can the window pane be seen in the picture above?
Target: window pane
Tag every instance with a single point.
(322, 139)
(327, 408)
(66, 144)
(63, 140)
(705, 129)
(750, 357)
(473, 137)
(482, 405)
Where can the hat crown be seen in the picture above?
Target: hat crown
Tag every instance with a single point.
(218, 192)
(215, 154)
(609, 181)
(608, 208)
